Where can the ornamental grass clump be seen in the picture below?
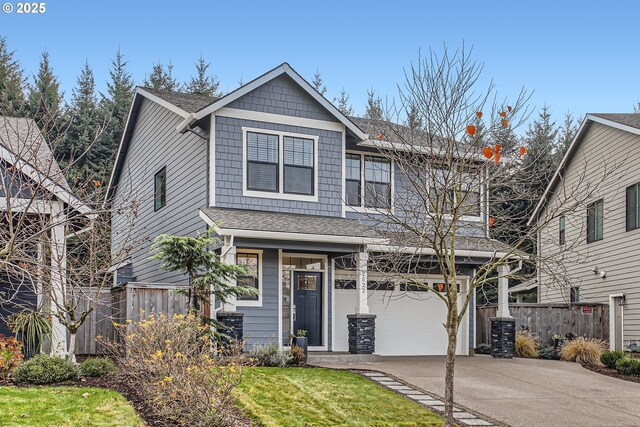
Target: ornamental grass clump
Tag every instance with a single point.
(586, 351)
(526, 345)
(177, 369)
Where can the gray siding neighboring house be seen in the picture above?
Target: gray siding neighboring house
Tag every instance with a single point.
(604, 155)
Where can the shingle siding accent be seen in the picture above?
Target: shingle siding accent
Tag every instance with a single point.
(283, 96)
(229, 170)
(154, 144)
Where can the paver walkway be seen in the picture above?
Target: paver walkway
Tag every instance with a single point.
(522, 392)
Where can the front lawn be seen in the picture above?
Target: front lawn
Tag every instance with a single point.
(320, 397)
(65, 406)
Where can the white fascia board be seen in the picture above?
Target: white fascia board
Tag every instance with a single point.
(184, 125)
(302, 237)
(259, 116)
(118, 265)
(462, 253)
(165, 104)
(211, 223)
(382, 145)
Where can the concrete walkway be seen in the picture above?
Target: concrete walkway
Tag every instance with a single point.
(522, 392)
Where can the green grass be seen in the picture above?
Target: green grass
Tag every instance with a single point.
(323, 397)
(65, 406)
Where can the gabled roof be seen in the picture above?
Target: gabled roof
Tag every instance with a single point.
(628, 122)
(22, 145)
(186, 102)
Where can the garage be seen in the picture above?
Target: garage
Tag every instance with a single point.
(408, 319)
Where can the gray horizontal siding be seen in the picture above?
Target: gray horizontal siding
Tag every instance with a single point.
(156, 144)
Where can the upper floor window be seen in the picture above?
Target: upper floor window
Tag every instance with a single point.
(561, 231)
(367, 181)
(595, 220)
(633, 207)
(280, 163)
(160, 189)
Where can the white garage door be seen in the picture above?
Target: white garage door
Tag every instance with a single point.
(407, 322)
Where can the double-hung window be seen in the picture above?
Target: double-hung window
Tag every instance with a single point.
(278, 164)
(633, 207)
(367, 181)
(595, 221)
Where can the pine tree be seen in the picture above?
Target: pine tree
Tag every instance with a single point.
(12, 82)
(343, 103)
(414, 121)
(567, 133)
(374, 106)
(84, 126)
(45, 99)
(161, 77)
(318, 83)
(203, 83)
(114, 106)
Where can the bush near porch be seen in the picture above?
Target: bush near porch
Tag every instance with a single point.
(319, 396)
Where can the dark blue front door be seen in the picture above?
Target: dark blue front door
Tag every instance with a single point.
(307, 293)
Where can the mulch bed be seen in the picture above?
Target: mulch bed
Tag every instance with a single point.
(613, 373)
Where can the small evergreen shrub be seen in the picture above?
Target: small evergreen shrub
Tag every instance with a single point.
(548, 353)
(526, 345)
(610, 358)
(483, 349)
(271, 355)
(628, 366)
(44, 369)
(97, 367)
(586, 351)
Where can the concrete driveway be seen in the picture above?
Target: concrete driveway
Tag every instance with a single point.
(522, 392)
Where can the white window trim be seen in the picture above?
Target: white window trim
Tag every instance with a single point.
(472, 218)
(247, 303)
(280, 194)
(362, 208)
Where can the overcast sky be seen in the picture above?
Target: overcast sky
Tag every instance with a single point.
(576, 56)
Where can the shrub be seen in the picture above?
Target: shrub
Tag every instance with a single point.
(97, 367)
(526, 345)
(10, 355)
(483, 349)
(298, 355)
(548, 353)
(628, 366)
(610, 358)
(586, 351)
(271, 355)
(177, 370)
(44, 369)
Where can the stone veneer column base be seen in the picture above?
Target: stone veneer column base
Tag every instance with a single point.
(503, 337)
(233, 323)
(362, 333)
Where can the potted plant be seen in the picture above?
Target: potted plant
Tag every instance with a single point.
(558, 340)
(300, 340)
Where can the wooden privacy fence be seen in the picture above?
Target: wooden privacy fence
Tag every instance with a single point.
(545, 320)
(128, 301)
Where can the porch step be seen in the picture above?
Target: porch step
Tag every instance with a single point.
(340, 357)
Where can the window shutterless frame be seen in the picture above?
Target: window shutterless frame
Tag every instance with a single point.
(361, 205)
(251, 301)
(595, 221)
(561, 230)
(633, 207)
(160, 189)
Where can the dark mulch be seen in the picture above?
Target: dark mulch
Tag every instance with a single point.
(613, 373)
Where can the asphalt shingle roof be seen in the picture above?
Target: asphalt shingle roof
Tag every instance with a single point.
(23, 139)
(629, 119)
(189, 102)
(242, 219)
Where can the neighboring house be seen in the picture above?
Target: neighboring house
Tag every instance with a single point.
(284, 178)
(34, 195)
(600, 242)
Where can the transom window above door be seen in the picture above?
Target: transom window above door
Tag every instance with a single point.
(280, 165)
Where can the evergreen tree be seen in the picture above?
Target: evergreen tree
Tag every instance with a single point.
(343, 103)
(12, 82)
(203, 83)
(414, 121)
(318, 83)
(45, 99)
(83, 128)
(114, 107)
(567, 133)
(374, 106)
(161, 77)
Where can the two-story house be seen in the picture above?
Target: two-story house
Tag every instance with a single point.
(599, 241)
(284, 179)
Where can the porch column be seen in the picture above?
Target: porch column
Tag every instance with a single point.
(361, 325)
(503, 326)
(58, 281)
(229, 257)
